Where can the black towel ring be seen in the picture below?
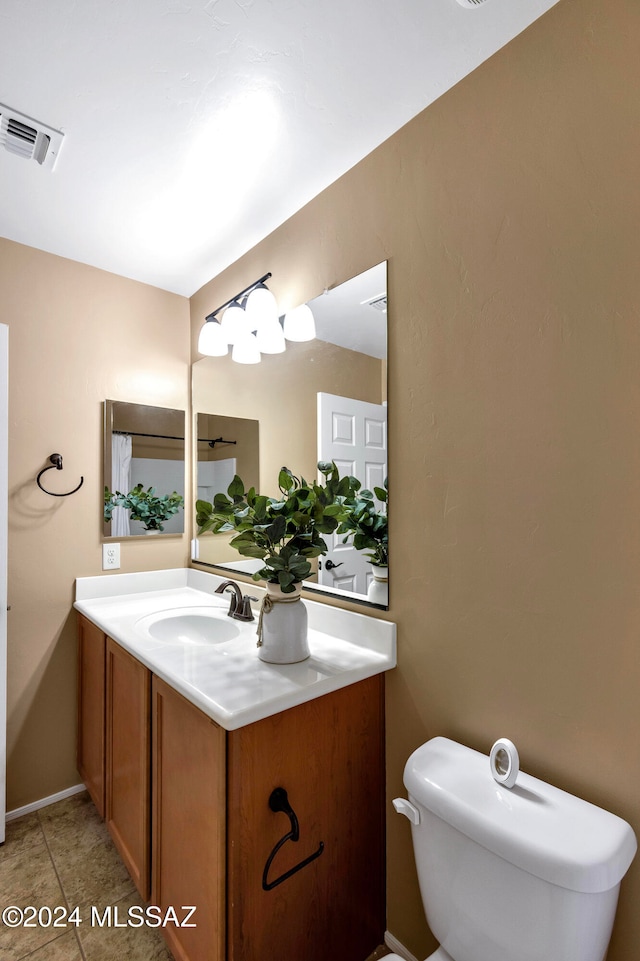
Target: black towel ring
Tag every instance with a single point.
(56, 461)
(278, 801)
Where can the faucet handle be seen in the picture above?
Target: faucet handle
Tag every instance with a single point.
(245, 613)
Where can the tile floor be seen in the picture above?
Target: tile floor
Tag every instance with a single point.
(63, 856)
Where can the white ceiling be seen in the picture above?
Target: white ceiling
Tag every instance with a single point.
(193, 129)
(345, 316)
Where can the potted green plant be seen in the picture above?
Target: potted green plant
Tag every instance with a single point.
(146, 506)
(368, 526)
(283, 532)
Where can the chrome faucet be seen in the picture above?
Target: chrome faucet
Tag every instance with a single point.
(239, 606)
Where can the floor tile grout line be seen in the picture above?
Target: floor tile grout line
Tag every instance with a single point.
(24, 854)
(30, 954)
(64, 895)
(18, 854)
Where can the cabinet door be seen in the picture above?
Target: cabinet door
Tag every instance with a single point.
(128, 761)
(189, 759)
(91, 710)
(328, 755)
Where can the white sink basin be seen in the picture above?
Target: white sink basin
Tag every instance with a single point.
(198, 625)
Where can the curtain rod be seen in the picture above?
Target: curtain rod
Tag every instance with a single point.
(137, 433)
(201, 440)
(216, 440)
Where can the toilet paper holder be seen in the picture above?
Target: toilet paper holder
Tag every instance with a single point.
(504, 762)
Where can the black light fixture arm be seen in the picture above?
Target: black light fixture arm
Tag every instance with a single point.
(256, 283)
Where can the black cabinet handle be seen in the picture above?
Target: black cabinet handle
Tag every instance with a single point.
(278, 801)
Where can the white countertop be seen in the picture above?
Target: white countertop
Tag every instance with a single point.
(228, 681)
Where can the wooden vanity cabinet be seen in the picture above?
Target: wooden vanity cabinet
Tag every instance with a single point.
(189, 808)
(91, 741)
(211, 793)
(328, 754)
(114, 744)
(188, 803)
(128, 750)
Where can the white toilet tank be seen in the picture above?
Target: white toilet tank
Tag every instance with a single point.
(529, 873)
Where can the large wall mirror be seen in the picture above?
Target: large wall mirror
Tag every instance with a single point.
(324, 399)
(144, 447)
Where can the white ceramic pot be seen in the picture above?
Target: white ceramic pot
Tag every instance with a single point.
(378, 590)
(283, 627)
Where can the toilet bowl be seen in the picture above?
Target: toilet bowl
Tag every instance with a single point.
(510, 868)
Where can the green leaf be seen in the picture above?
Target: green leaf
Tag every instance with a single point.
(235, 490)
(276, 530)
(285, 479)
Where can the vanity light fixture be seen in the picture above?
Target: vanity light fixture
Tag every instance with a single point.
(212, 340)
(263, 317)
(250, 323)
(270, 338)
(261, 307)
(234, 324)
(246, 350)
(217, 334)
(299, 324)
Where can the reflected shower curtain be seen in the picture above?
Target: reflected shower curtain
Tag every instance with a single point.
(120, 481)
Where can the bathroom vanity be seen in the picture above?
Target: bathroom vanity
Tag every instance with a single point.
(182, 744)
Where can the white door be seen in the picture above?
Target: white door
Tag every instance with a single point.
(353, 434)
(4, 450)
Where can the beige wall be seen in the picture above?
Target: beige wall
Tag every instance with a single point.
(77, 336)
(508, 212)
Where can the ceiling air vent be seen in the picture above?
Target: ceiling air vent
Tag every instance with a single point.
(471, 3)
(29, 138)
(378, 303)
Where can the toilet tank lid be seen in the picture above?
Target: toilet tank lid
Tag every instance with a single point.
(535, 826)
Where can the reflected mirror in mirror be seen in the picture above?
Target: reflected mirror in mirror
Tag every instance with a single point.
(226, 446)
(144, 448)
(323, 399)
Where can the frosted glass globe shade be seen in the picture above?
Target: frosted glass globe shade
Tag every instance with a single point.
(212, 341)
(234, 323)
(261, 308)
(270, 338)
(245, 350)
(299, 324)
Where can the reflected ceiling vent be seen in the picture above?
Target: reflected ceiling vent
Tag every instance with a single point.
(471, 3)
(378, 303)
(29, 138)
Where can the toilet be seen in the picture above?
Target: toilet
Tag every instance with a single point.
(510, 868)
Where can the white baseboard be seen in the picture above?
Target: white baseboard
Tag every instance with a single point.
(395, 945)
(44, 802)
